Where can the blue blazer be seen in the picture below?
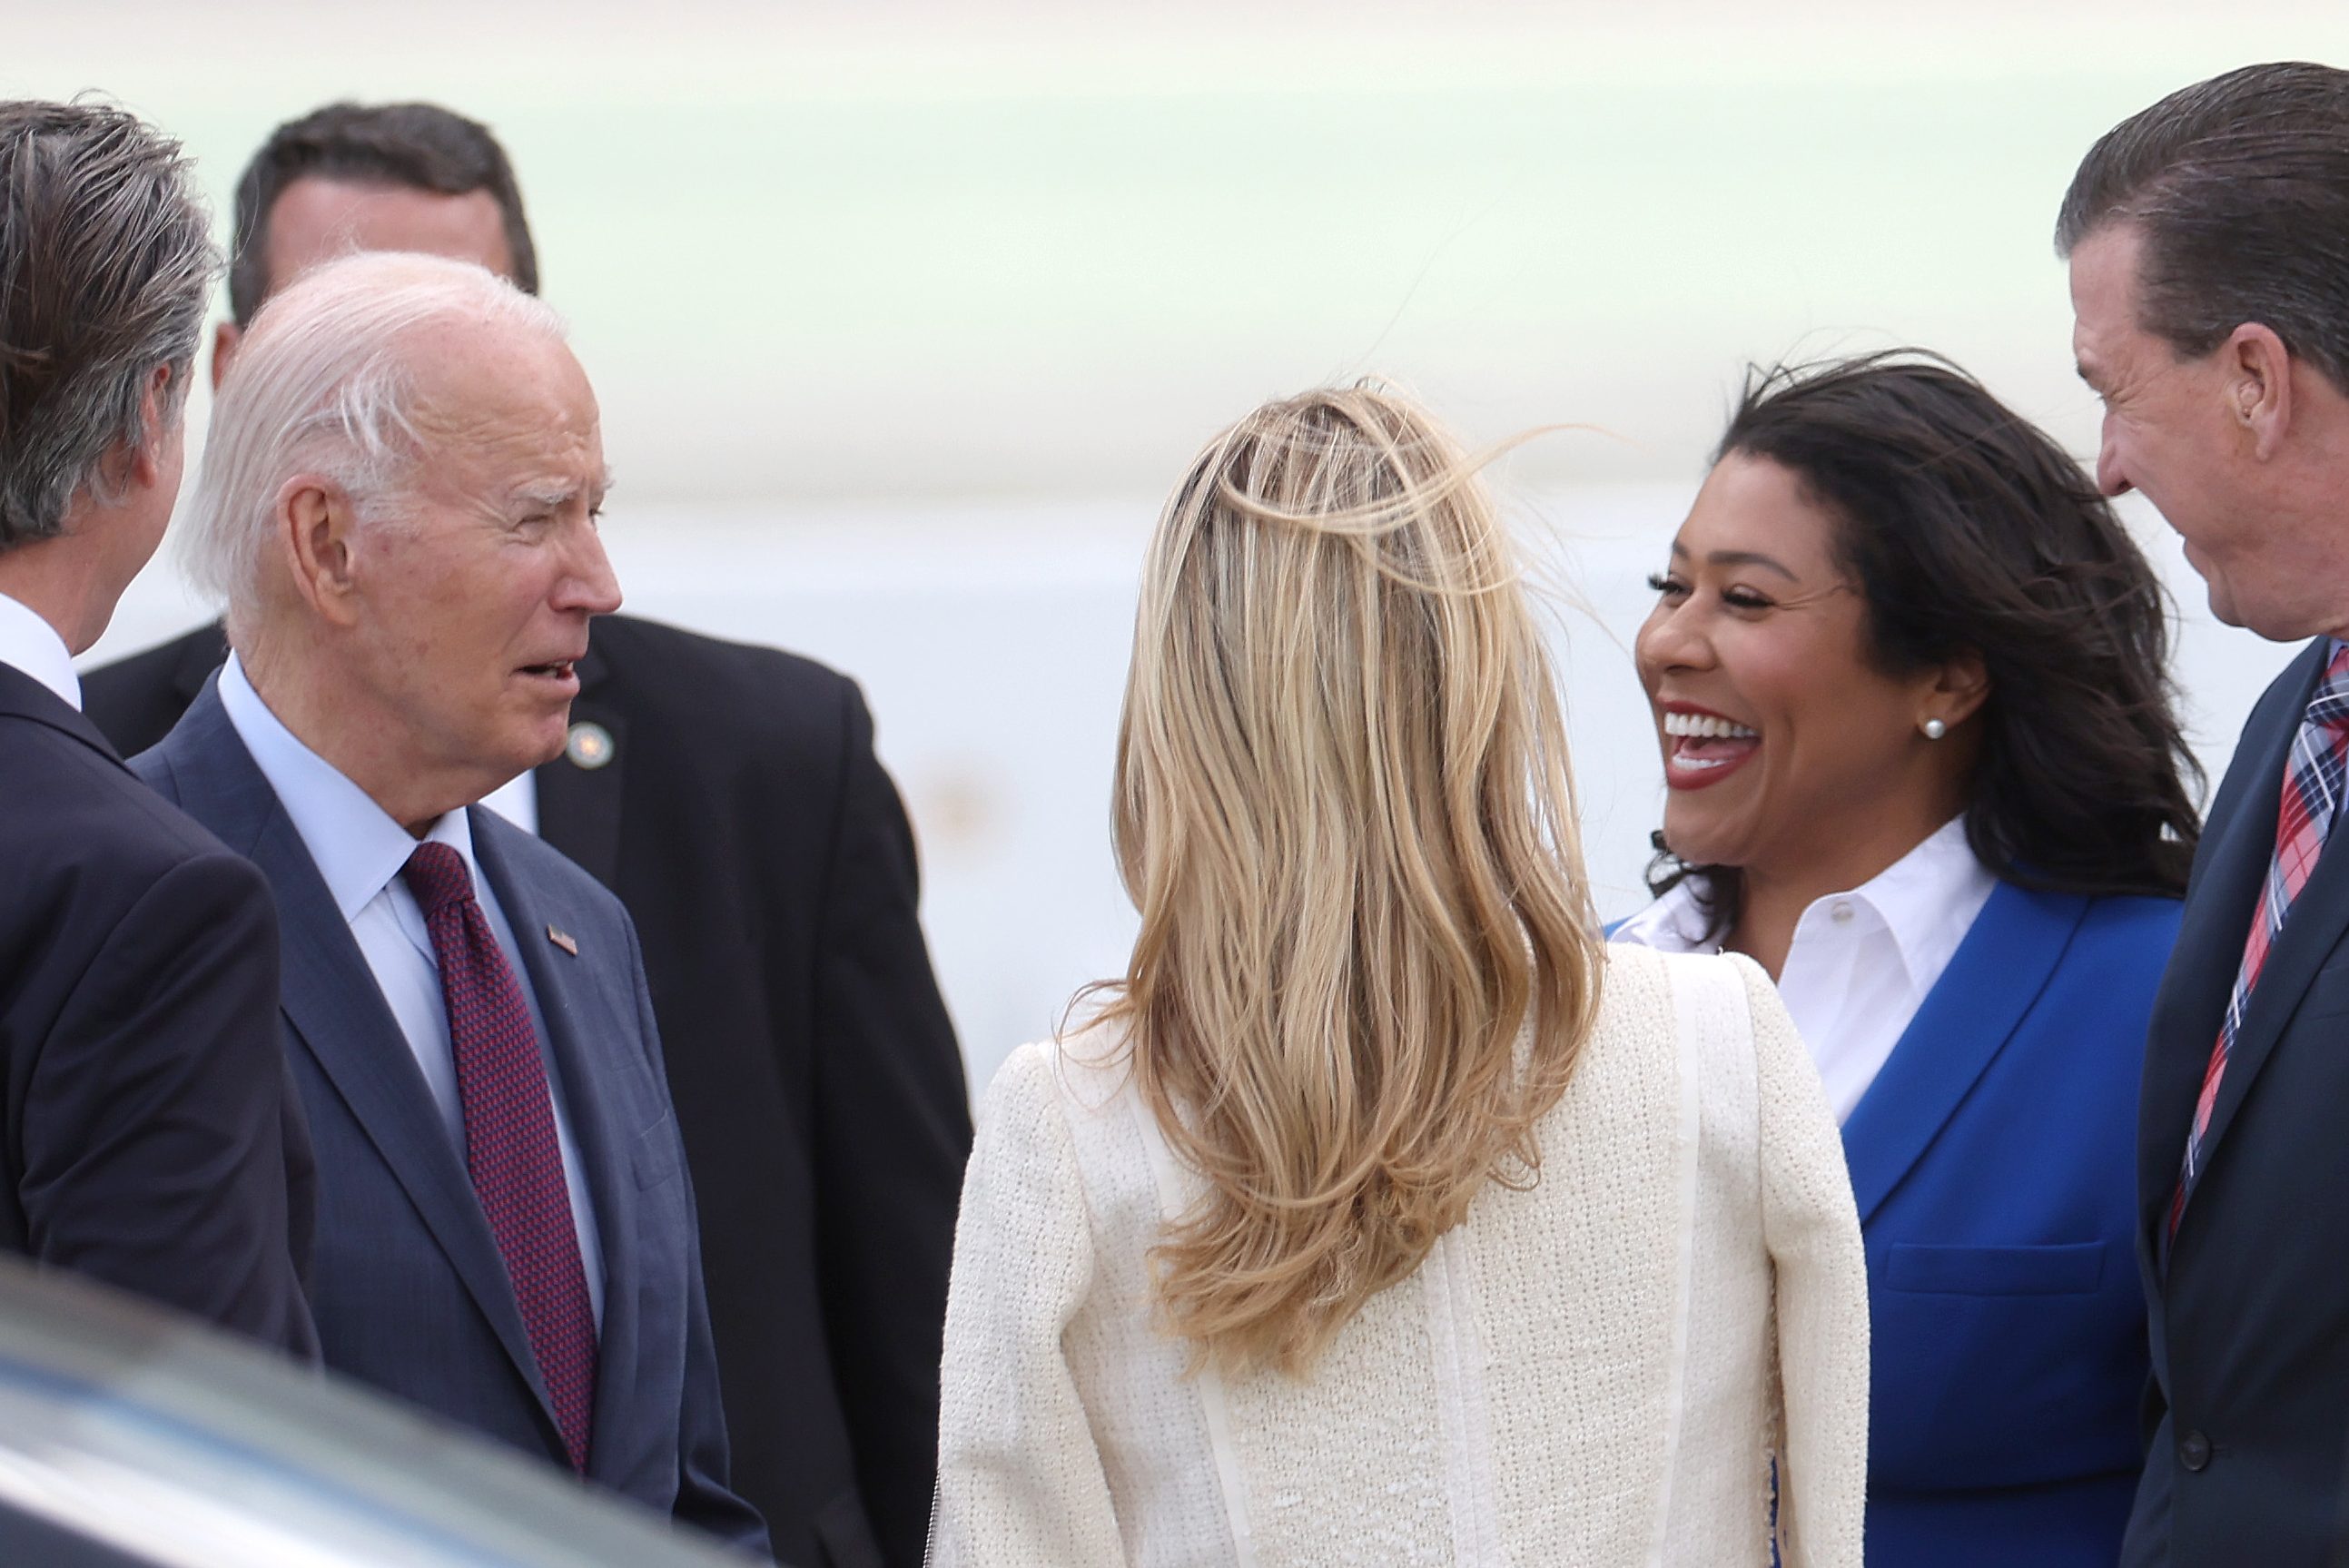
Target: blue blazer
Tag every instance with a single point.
(407, 1287)
(1993, 1160)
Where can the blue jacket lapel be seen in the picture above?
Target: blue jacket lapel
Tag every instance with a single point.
(595, 1079)
(336, 1009)
(1998, 971)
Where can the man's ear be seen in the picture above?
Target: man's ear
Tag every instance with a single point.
(126, 468)
(226, 336)
(2259, 386)
(316, 526)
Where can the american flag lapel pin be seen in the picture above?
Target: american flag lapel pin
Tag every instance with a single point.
(563, 939)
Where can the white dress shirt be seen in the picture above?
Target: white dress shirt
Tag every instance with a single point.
(30, 646)
(1861, 962)
(359, 851)
(516, 801)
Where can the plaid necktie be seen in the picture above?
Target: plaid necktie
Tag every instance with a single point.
(2312, 780)
(511, 1149)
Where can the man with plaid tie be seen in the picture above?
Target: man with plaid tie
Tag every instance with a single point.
(2209, 242)
(398, 506)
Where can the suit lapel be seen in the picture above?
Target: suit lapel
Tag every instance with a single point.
(606, 1117)
(337, 1010)
(2312, 933)
(579, 807)
(2237, 846)
(1997, 972)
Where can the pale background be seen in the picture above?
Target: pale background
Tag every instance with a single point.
(904, 316)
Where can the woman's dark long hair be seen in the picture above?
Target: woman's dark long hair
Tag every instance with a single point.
(1968, 531)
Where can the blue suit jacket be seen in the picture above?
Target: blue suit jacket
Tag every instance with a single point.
(2248, 1455)
(1992, 1162)
(408, 1287)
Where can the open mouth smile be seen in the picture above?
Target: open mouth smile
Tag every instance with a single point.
(1703, 749)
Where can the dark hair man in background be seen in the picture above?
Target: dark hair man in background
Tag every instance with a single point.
(731, 796)
(2206, 236)
(148, 1127)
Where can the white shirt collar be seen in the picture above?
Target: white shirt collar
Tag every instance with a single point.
(30, 644)
(1926, 899)
(1861, 962)
(357, 848)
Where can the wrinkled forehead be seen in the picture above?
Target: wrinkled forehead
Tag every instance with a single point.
(2104, 273)
(511, 408)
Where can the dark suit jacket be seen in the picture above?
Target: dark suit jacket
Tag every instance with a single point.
(152, 1137)
(409, 1287)
(742, 818)
(2249, 1425)
(1994, 1162)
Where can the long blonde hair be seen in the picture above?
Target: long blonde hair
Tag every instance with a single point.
(1366, 959)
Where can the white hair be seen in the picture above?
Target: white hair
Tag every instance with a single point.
(324, 384)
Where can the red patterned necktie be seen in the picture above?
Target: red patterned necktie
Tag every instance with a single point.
(2313, 779)
(511, 1151)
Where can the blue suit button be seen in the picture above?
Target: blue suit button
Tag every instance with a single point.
(2194, 1450)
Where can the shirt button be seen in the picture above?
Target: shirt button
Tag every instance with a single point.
(1840, 911)
(2194, 1450)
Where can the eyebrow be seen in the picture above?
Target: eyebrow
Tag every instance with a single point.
(558, 495)
(1742, 558)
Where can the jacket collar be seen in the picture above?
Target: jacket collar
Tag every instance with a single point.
(1998, 972)
(202, 652)
(22, 696)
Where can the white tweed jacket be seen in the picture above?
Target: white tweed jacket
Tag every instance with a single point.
(1608, 1368)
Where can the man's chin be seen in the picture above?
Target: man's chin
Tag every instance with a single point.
(2277, 625)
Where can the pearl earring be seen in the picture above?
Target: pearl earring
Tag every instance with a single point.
(1934, 729)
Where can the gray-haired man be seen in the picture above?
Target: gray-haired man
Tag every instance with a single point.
(399, 505)
(147, 1135)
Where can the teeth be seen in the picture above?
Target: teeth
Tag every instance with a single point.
(1704, 727)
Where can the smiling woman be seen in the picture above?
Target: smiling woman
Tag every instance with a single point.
(1908, 678)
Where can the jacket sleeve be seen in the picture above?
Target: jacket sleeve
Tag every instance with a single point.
(1811, 1227)
(1021, 1482)
(157, 1117)
(891, 1130)
(706, 1498)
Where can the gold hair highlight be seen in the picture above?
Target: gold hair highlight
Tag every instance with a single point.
(1366, 959)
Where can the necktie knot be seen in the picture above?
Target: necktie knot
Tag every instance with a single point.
(2329, 708)
(436, 874)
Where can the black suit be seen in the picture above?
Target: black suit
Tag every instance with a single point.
(153, 1140)
(2250, 1317)
(744, 821)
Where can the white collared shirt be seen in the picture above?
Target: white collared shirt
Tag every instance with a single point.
(516, 801)
(30, 646)
(1862, 962)
(359, 851)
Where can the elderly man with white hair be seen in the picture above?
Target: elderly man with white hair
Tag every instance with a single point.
(398, 508)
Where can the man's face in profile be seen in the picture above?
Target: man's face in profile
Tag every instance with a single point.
(316, 219)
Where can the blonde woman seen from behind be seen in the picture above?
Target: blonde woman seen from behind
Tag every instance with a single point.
(1380, 1213)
